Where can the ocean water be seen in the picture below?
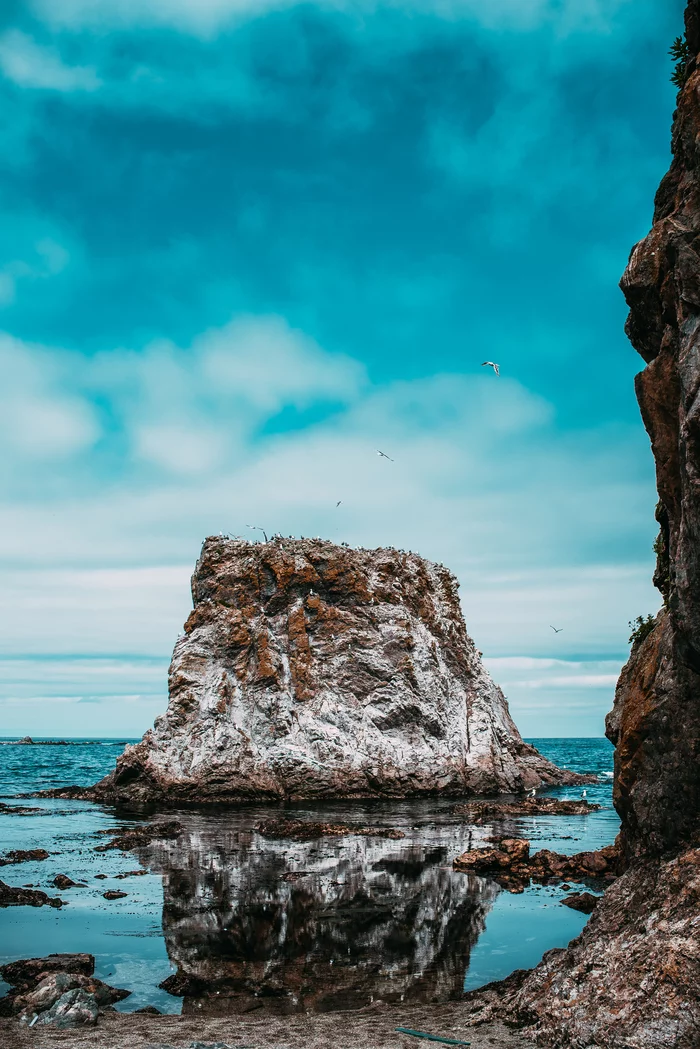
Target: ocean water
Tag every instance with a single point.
(284, 926)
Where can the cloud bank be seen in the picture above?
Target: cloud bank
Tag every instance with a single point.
(247, 245)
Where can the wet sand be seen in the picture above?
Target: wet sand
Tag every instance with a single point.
(371, 1028)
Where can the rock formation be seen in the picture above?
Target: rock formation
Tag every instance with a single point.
(314, 670)
(59, 990)
(633, 977)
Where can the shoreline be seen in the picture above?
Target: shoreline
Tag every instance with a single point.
(369, 1028)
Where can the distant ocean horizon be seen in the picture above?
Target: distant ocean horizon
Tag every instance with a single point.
(86, 759)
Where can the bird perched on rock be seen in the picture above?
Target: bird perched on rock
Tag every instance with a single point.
(491, 364)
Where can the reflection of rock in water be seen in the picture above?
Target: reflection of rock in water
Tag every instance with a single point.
(315, 926)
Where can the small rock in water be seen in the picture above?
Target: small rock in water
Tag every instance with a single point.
(21, 810)
(12, 897)
(134, 837)
(512, 866)
(23, 856)
(114, 894)
(585, 902)
(62, 881)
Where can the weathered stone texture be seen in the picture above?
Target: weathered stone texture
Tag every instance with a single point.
(309, 670)
(656, 721)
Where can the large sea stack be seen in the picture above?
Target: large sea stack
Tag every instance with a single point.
(633, 977)
(309, 670)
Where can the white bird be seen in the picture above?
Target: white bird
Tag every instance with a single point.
(491, 364)
(555, 629)
(385, 456)
(584, 795)
(533, 792)
(257, 528)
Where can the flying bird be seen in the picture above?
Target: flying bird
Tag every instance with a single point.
(338, 503)
(257, 528)
(491, 364)
(556, 631)
(385, 456)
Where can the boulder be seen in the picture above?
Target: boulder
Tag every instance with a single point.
(27, 972)
(76, 1008)
(585, 902)
(53, 986)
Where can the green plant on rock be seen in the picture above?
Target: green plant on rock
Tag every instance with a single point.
(681, 55)
(641, 627)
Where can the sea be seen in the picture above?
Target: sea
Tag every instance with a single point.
(282, 926)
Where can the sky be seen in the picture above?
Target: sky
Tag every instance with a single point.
(246, 243)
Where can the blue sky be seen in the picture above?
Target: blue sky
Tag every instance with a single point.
(246, 244)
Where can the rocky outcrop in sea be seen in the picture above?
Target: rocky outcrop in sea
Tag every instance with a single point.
(312, 670)
(633, 976)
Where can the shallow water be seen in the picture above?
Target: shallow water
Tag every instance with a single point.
(285, 926)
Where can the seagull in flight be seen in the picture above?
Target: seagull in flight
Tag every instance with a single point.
(555, 629)
(385, 456)
(491, 364)
(257, 528)
(338, 503)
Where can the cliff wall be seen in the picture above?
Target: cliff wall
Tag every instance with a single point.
(656, 721)
(314, 670)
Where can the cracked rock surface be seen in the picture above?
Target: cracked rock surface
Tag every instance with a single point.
(314, 670)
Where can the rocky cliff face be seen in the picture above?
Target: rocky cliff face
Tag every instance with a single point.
(656, 721)
(314, 670)
(632, 977)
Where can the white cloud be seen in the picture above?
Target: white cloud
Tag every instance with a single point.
(265, 362)
(552, 697)
(41, 417)
(97, 612)
(28, 64)
(479, 482)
